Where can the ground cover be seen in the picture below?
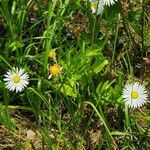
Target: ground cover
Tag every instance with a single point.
(74, 75)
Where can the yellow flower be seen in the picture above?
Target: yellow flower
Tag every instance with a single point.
(54, 70)
(52, 54)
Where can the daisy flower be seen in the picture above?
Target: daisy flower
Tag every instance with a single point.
(104, 2)
(97, 6)
(134, 94)
(16, 80)
(108, 2)
(54, 70)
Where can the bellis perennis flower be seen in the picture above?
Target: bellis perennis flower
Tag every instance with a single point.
(97, 6)
(16, 79)
(108, 2)
(134, 94)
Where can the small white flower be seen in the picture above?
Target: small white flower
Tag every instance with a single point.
(97, 6)
(16, 79)
(104, 2)
(135, 95)
(108, 2)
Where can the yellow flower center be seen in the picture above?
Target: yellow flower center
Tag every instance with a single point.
(134, 94)
(52, 54)
(94, 5)
(16, 78)
(55, 69)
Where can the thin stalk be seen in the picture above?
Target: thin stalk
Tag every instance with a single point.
(4, 60)
(100, 115)
(18, 107)
(142, 32)
(115, 43)
(49, 33)
(127, 117)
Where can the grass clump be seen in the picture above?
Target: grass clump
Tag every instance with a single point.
(74, 66)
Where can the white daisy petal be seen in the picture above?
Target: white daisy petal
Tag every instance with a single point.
(135, 95)
(105, 2)
(24, 76)
(25, 82)
(108, 2)
(16, 80)
(12, 88)
(21, 71)
(7, 79)
(97, 6)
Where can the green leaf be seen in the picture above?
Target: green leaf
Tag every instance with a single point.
(27, 145)
(15, 45)
(147, 118)
(93, 53)
(120, 133)
(98, 66)
(69, 87)
(69, 90)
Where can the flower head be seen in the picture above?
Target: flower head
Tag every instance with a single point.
(52, 54)
(16, 79)
(103, 2)
(134, 94)
(108, 2)
(54, 70)
(97, 7)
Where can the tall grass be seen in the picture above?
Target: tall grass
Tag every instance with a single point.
(81, 108)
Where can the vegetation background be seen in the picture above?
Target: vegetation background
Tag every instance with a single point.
(82, 108)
